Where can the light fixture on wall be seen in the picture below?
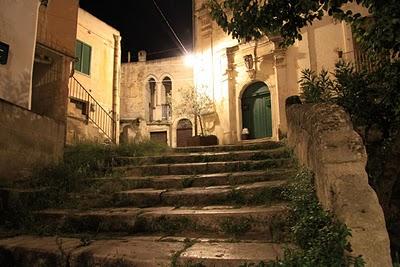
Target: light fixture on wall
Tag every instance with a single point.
(340, 53)
(249, 62)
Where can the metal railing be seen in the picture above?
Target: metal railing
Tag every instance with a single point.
(94, 112)
(166, 112)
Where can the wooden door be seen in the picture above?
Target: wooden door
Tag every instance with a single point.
(159, 137)
(256, 111)
(183, 132)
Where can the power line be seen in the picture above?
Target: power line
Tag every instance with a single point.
(170, 27)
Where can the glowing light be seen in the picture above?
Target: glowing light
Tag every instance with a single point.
(189, 60)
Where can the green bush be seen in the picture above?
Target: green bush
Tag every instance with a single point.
(316, 88)
(319, 238)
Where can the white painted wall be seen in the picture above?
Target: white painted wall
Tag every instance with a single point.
(18, 26)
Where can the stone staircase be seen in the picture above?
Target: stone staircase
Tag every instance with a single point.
(199, 206)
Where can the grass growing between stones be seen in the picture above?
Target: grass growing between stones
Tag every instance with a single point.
(236, 226)
(62, 183)
(320, 239)
(267, 196)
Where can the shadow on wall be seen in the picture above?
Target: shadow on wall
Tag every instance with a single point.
(48, 74)
(17, 90)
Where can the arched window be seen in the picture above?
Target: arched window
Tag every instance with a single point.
(167, 91)
(152, 97)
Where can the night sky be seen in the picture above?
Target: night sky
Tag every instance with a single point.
(143, 28)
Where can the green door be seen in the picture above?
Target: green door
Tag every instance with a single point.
(256, 111)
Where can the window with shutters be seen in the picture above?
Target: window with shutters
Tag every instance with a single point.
(83, 53)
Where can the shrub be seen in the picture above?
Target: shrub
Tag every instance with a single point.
(320, 239)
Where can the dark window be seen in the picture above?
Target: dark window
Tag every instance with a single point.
(83, 52)
(81, 105)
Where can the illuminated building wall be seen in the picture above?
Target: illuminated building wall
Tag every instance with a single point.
(220, 70)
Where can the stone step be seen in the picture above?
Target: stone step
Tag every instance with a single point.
(200, 180)
(203, 167)
(146, 251)
(254, 193)
(281, 152)
(237, 147)
(11, 198)
(259, 222)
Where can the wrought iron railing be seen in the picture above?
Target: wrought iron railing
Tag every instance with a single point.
(166, 111)
(94, 112)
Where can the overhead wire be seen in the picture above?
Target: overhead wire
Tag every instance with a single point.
(170, 27)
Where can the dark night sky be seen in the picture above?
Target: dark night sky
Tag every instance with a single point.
(142, 27)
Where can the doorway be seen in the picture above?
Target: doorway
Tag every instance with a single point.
(256, 110)
(159, 137)
(184, 132)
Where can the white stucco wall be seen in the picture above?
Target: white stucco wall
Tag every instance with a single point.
(18, 24)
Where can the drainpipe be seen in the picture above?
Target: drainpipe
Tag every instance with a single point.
(116, 86)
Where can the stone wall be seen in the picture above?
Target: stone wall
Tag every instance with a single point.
(27, 140)
(135, 97)
(323, 139)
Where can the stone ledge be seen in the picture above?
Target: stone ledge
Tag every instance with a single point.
(324, 141)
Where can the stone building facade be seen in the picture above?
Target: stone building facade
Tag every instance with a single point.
(37, 52)
(93, 109)
(151, 92)
(18, 37)
(250, 81)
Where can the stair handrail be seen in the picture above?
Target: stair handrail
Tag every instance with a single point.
(101, 121)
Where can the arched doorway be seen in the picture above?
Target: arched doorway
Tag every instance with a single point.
(184, 132)
(256, 110)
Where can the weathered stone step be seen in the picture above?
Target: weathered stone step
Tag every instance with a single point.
(220, 148)
(204, 167)
(281, 152)
(30, 251)
(200, 180)
(254, 193)
(260, 222)
(10, 198)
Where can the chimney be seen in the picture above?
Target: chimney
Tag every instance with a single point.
(142, 56)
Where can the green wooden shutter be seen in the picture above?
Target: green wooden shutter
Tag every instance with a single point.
(86, 58)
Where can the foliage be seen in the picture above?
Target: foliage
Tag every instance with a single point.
(371, 98)
(89, 160)
(320, 238)
(249, 19)
(316, 88)
(60, 181)
(195, 103)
